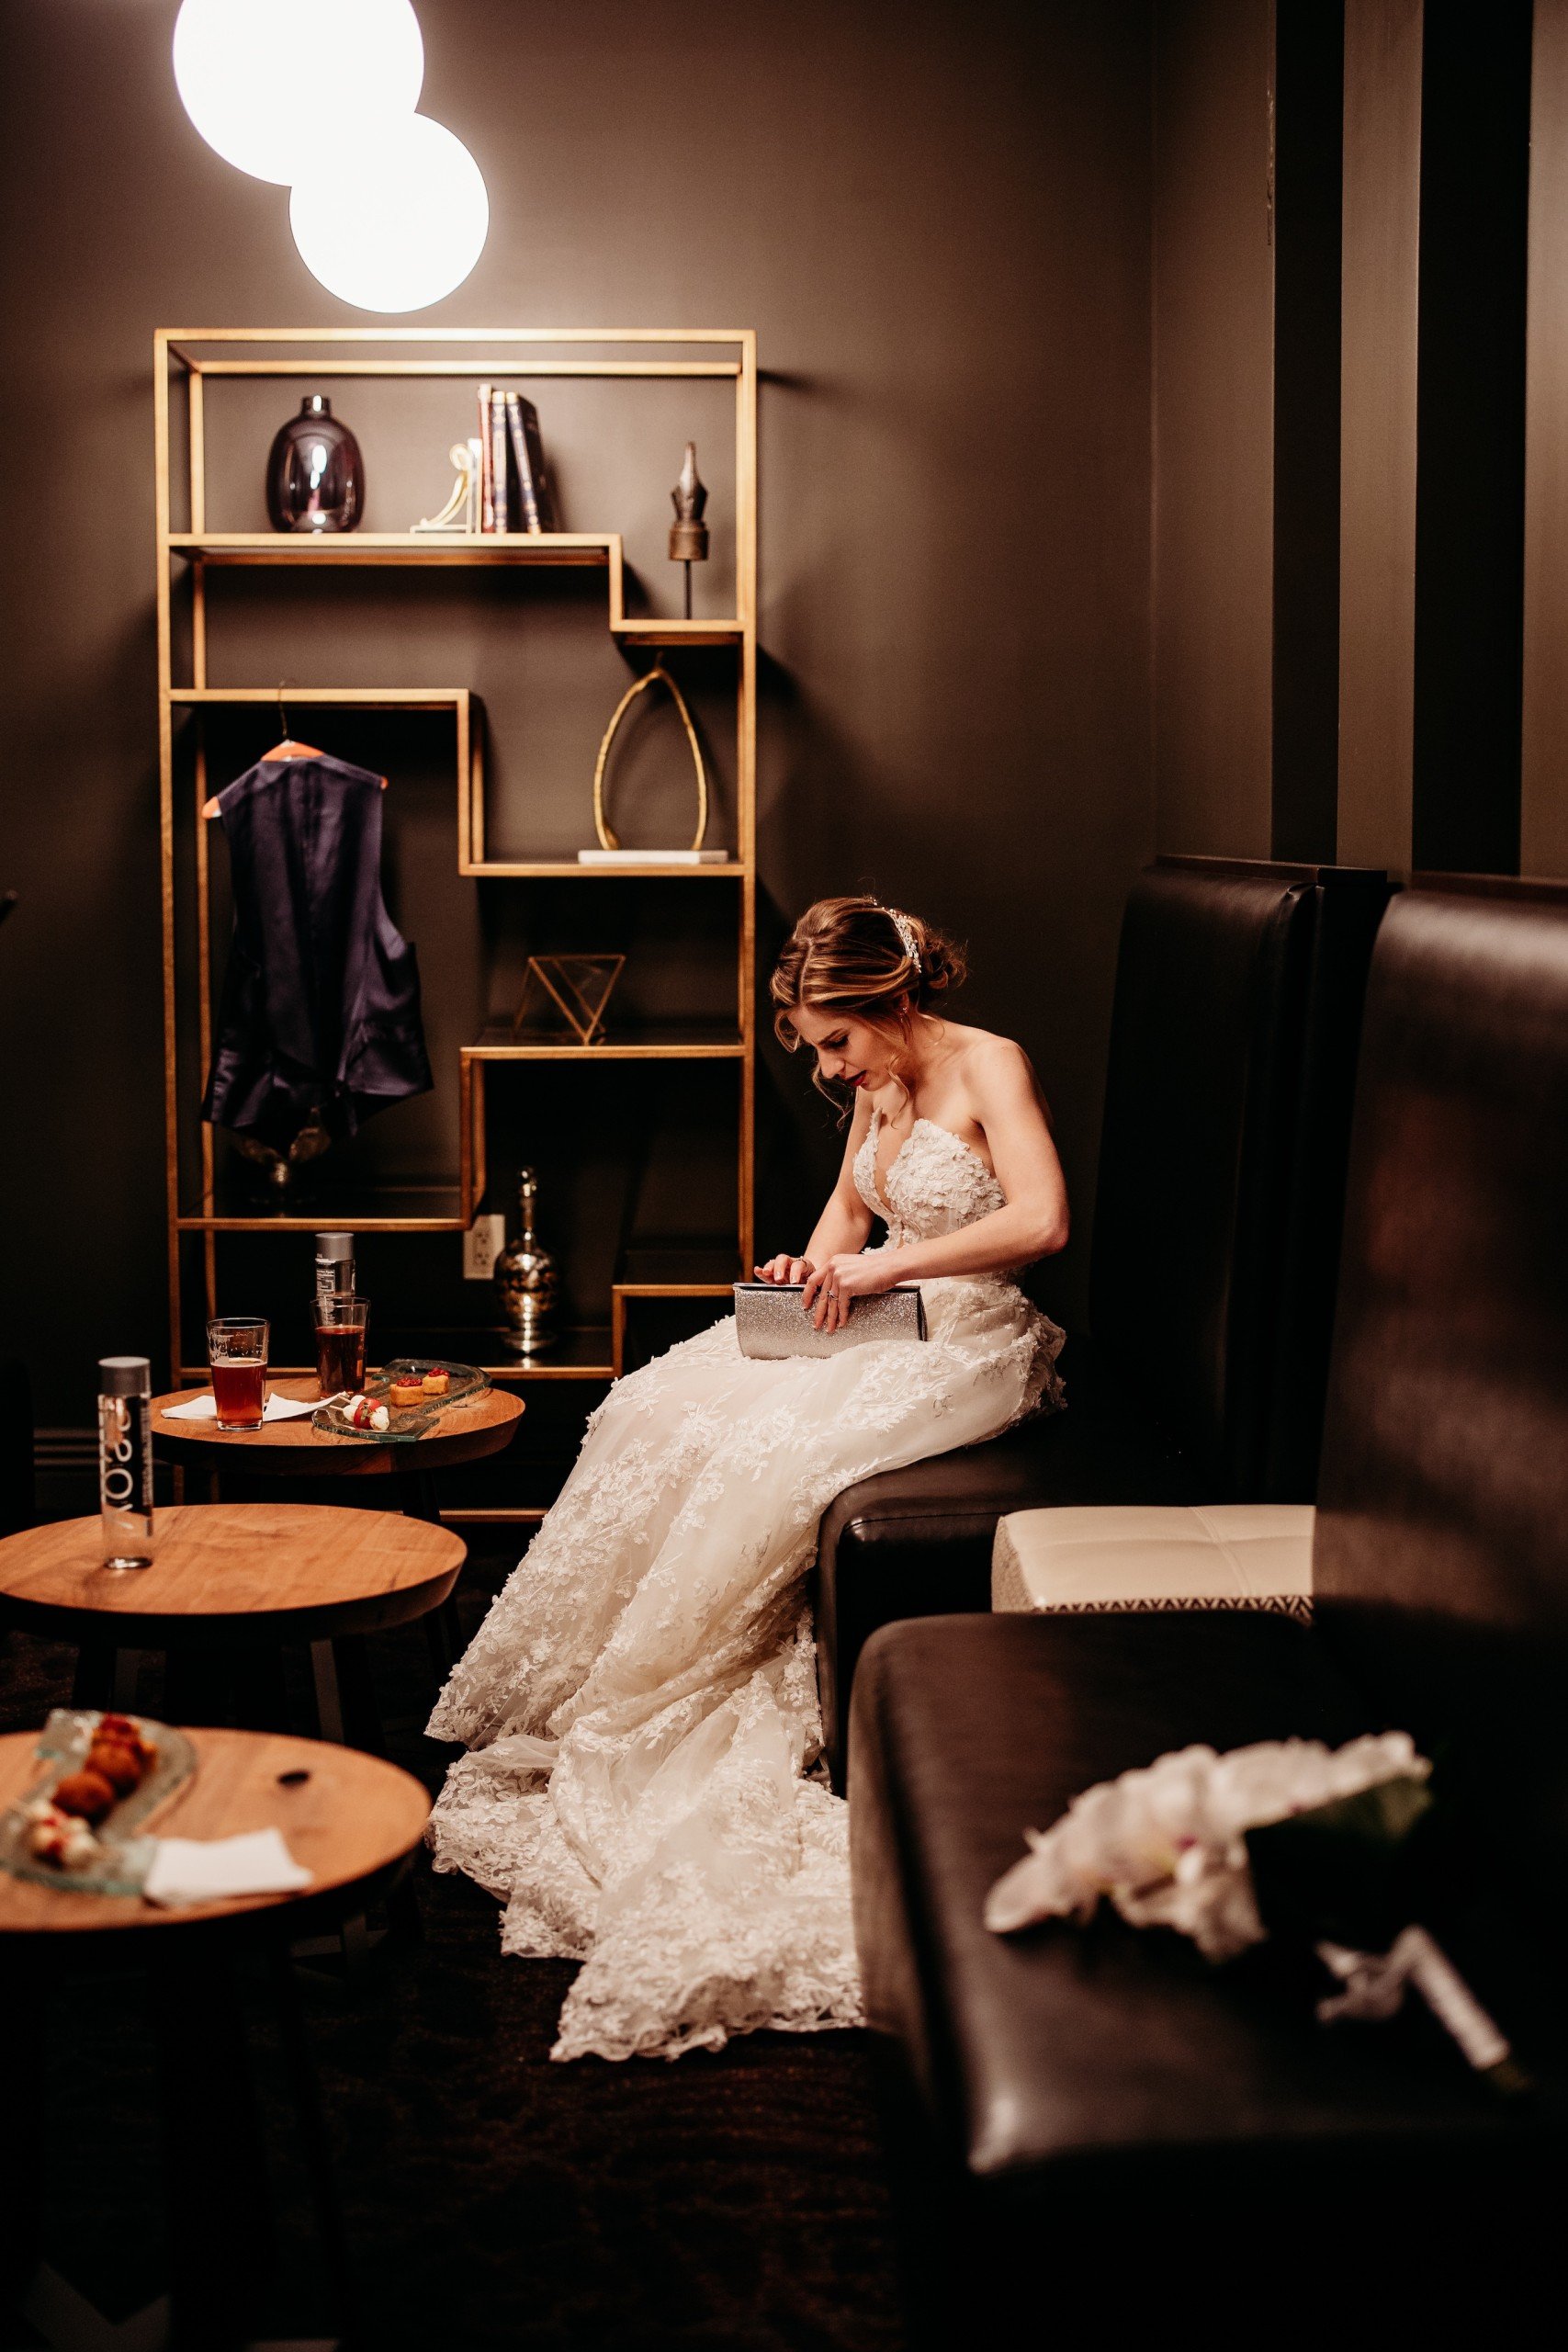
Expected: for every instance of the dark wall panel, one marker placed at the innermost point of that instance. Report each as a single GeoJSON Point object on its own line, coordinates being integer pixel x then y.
{"type": "Point", "coordinates": [1476, 132]}
{"type": "Point", "coordinates": [1309, 108]}
{"type": "Point", "coordinates": [1377, 375]}
{"type": "Point", "coordinates": [1213, 426]}
{"type": "Point", "coordinates": [1543, 812]}
{"type": "Point", "coordinates": [936, 215]}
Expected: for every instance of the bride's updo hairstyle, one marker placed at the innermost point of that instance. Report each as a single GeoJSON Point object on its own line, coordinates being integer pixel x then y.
{"type": "Point", "coordinates": [870, 962]}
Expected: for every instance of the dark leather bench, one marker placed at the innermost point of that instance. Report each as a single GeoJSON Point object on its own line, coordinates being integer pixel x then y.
{"type": "Point", "coordinates": [1232, 1050]}
{"type": "Point", "coordinates": [1053, 2084]}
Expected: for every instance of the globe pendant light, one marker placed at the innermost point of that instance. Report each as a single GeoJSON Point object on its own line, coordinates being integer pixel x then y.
{"type": "Point", "coordinates": [393, 215]}
{"type": "Point", "coordinates": [267, 83]}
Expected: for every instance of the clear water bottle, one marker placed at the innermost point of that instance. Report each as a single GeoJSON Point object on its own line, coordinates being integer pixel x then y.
{"type": "Point", "coordinates": [125, 1460]}
{"type": "Point", "coordinates": [334, 1264]}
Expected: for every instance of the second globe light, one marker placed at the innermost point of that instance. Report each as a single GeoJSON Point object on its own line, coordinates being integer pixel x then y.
{"type": "Point", "coordinates": [394, 216]}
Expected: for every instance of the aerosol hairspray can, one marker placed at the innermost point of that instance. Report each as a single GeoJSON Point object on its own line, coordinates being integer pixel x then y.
{"type": "Point", "coordinates": [334, 1264]}
{"type": "Point", "coordinates": [125, 1461]}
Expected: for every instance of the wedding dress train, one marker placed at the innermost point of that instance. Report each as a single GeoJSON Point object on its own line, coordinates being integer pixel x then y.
{"type": "Point", "coordinates": [640, 1703]}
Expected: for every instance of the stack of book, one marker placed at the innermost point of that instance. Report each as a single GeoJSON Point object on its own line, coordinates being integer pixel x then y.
{"type": "Point", "coordinates": [514, 491]}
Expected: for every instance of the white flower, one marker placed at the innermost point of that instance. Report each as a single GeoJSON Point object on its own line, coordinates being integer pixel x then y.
{"type": "Point", "coordinates": [1167, 1843]}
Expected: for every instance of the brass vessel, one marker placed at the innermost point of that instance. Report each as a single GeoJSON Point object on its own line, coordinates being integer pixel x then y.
{"type": "Point", "coordinates": [527, 1277]}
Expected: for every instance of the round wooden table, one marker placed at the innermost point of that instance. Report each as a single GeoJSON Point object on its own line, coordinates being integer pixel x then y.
{"type": "Point", "coordinates": [467, 1430]}
{"type": "Point", "coordinates": [242, 1577]}
{"type": "Point", "coordinates": [353, 1821]}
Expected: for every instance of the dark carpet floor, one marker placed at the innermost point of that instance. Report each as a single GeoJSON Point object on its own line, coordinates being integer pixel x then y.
{"type": "Point", "coordinates": [735, 2203]}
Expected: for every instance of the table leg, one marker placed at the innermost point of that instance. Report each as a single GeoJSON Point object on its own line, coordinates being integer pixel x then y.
{"type": "Point", "coordinates": [220, 2237]}
{"type": "Point", "coordinates": [260, 1694]}
{"type": "Point", "coordinates": [346, 1710]}
{"type": "Point", "coordinates": [316, 2145]}
{"type": "Point", "coordinates": [24, 1992]}
{"type": "Point", "coordinates": [442, 1630]}
{"type": "Point", "coordinates": [356, 1689]}
{"type": "Point", "coordinates": [196, 1684]}
{"type": "Point", "coordinates": [329, 1701]}
{"type": "Point", "coordinates": [416, 1489]}
{"type": "Point", "coordinates": [94, 1683]}
{"type": "Point", "coordinates": [444, 1639]}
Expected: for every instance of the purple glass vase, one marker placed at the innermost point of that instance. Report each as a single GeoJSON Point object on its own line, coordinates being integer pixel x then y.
{"type": "Point", "coordinates": [315, 475]}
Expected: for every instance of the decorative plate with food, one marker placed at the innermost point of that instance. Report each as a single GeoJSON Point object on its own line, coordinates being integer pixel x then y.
{"type": "Point", "coordinates": [105, 1776]}
{"type": "Point", "coordinates": [404, 1400]}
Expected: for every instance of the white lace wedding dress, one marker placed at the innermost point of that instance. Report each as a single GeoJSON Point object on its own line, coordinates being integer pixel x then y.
{"type": "Point", "coordinates": [640, 1703]}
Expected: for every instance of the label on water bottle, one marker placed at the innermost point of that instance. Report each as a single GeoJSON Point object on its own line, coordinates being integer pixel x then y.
{"type": "Point", "coordinates": [331, 1273]}
{"type": "Point", "coordinates": [125, 1478]}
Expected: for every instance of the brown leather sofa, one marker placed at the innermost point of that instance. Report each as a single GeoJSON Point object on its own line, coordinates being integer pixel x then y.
{"type": "Point", "coordinates": [1065, 2095]}
{"type": "Point", "coordinates": [1221, 1170]}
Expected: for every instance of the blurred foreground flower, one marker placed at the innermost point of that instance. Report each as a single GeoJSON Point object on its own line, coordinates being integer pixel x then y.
{"type": "Point", "coordinates": [1167, 1844]}
{"type": "Point", "coordinates": [1287, 1836]}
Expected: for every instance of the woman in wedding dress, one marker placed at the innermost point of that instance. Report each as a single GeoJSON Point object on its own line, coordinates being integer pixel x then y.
{"type": "Point", "coordinates": [642, 1790]}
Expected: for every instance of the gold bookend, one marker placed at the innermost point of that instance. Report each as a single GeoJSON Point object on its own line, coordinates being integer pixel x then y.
{"type": "Point", "coordinates": [572, 990]}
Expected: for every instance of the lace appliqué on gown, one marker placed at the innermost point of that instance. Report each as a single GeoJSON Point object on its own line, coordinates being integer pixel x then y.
{"type": "Point", "coordinates": [640, 1703]}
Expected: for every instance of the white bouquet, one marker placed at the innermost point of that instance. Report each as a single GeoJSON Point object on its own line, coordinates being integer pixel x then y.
{"type": "Point", "coordinates": [1167, 1845]}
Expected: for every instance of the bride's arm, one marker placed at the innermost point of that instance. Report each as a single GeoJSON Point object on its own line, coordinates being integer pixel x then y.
{"type": "Point", "coordinates": [844, 1225]}
{"type": "Point", "coordinates": [1007, 1105]}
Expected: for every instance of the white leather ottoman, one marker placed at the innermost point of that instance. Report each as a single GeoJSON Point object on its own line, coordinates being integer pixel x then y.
{"type": "Point", "coordinates": [1136, 1555]}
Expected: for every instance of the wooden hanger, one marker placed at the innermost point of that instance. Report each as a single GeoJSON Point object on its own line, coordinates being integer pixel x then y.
{"type": "Point", "coordinates": [287, 749]}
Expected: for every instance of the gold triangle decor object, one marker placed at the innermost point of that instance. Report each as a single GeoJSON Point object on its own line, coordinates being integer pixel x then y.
{"type": "Point", "coordinates": [566, 991]}
{"type": "Point", "coordinates": [657, 677]}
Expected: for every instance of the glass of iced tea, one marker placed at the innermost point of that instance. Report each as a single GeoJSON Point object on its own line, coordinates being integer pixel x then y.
{"type": "Point", "coordinates": [236, 1352]}
{"type": "Point", "coordinates": [341, 1317]}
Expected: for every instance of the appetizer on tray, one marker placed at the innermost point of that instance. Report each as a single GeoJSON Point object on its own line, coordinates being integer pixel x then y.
{"type": "Point", "coordinates": [106, 1774]}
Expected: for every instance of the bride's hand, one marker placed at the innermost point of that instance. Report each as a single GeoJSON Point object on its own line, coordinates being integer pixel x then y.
{"type": "Point", "coordinates": [784, 1269]}
{"type": "Point", "coordinates": [849, 1274]}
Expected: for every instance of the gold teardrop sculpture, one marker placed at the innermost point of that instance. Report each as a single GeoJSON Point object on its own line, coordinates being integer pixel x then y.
{"type": "Point", "coordinates": [658, 676]}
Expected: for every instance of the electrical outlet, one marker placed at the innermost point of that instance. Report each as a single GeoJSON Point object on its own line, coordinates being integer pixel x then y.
{"type": "Point", "coordinates": [482, 1245]}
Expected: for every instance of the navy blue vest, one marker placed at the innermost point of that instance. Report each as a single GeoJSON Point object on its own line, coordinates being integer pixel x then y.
{"type": "Point", "coordinates": [320, 1011]}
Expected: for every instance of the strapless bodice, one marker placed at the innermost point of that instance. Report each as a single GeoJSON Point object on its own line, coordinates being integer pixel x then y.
{"type": "Point", "coordinates": [937, 1182]}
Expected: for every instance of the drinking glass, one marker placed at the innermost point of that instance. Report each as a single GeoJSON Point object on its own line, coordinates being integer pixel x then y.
{"type": "Point", "coordinates": [236, 1350]}
{"type": "Point", "coordinates": [341, 1317]}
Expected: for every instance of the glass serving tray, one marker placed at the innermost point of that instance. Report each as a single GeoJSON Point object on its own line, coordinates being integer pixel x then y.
{"type": "Point", "coordinates": [407, 1421]}
{"type": "Point", "coordinates": [61, 1746]}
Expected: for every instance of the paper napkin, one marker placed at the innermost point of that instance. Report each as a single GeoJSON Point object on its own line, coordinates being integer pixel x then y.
{"type": "Point", "coordinates": [205, 1869]}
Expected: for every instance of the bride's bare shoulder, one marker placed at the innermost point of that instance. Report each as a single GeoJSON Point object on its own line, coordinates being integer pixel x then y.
{"type": "Point", "coordinates": [979, 1050]}
{"type": "Point", "coordinates": [990, 1065]}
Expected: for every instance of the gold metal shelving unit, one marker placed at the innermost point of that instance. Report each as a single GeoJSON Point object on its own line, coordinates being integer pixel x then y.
{"type": "Point", "coordinates": [186, 360]}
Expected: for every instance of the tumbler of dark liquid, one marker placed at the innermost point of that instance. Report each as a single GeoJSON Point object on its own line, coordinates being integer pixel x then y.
{"type": "Point", "coordinates": [341, 1318]}
{"type": "Point", "coordinates": [236, 1352]}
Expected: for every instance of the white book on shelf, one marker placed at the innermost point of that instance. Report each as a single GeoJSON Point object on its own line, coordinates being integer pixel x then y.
{"type": "Point", "coordinates": [653, 857]}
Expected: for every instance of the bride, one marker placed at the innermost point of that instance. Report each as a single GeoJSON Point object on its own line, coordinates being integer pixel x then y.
{"type": "Point", "coordinates": [642, 1789]}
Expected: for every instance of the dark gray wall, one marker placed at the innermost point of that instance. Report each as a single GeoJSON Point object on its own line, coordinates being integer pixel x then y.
{"type": "Point", "coordinates": [1543, 847]}
{"type": "Point", "coordinates": [1214, 317]}
{"type": "Point", "coordinates": [936, 216]}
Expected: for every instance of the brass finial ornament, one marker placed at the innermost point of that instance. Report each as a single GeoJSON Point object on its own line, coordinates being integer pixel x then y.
{"type": "Point", "coordinates": [688, 532]}
{"type": "Point", "coordinates": [527, 1277]}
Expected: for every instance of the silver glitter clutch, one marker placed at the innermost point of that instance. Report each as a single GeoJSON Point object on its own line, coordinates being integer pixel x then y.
{"type": "Point", "coordinates": [771, 1322]}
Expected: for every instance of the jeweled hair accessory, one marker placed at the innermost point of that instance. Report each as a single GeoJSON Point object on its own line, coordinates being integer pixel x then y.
{"type": "Point", "coordinates": [906, 931]}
